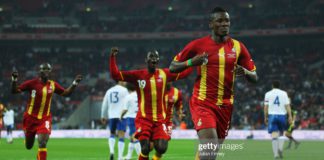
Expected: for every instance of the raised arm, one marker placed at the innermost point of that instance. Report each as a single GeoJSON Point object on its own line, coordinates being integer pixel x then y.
{"type": "Point", "coordinates": [114, 71]}
{"type": "Point", "coordinates": [71, 88]}
{"type": "Point", "coordinates": [14, 85]}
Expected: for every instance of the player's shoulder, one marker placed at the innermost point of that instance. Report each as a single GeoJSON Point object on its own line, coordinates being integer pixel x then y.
{"type": "Point", "coordinates": [200, 40]}
{"type": "Point", "coordinates": [34, 80]}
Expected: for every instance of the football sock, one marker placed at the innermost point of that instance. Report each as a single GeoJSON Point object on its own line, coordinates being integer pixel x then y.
{"type": "Point", "coordinates": [42, 152]}
{"type": "Point", "coordinates": [281, 141]}
{"type": "Point", "coordinates": [137, 147]}
{"type": "Point", "coordinates": [111, 144]}
{"type": "Point", "coordinates": [143, 157]}
{"type": "Point", "coordinates": [131, 146]}
{"type": "Point", "coordinates": [121, 146]}
{"type": "Point", "coordinates": [155, 157]}
{"type": "Point", "coordinates": [275, 146]}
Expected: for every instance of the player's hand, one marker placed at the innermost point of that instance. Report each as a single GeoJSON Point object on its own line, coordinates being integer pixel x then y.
{"type": "Point", "coordinates": [114, 51]}
{"type": "Point", "coordinates": [14, 76]}
{"type": "Point", "coordinates": [181, 116]}
{"type": "Point", "coordinates": [78, 78]}
{"type": "Point", "coordinates": [239, 70]}
{"type": "Point", "coordinates": [266, 120]}
{"type": "Point", "coordinates": [289, 120]}
{"type": "Point", "coordinates": [103, 121]}
{"type": "Point", "coordinates": [200, 59]}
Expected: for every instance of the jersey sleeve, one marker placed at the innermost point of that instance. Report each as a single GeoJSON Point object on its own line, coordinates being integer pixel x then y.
{"type": "Point", "coordinates": [286, 99]}
{"type": "Point", "coordinates": [116, 74]}
{"type": "Point", "coordinates": [25, 85]}
{"type": "Point", "coordinates": [177, 76]}
{"type": "Point", "coordinates": [58, 88]}
{"type": "Point", "coordinates": [104, 106]}
{"type": "Point", "coordinates": [266, 99]}
{"type": "Point", "coordinates": [188, 52]}
{"type": "Point", "coordinates": [245, 59]}
{"type": "Point", "coordinates": [127, 103]}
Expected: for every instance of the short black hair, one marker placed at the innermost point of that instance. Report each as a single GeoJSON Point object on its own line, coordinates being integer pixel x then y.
{"type": "Point", "coordinates": [216, 10]}
{"type": "Point", "coordinates": [152, 51]}
{"type": "Point", "coordinates": [130, 87]}
{"type": "Point", "coordinates": [275, 84]}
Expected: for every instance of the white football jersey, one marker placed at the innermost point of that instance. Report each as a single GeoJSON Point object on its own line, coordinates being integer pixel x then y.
{"type": "Point", "coordinates": [8, 117]}
{"type": "Point", "coordinates": [276, 99]}
{"type": "Point", "coordinates": [131, 105]}
{"type": "Point", "coordinates": [113, 102]}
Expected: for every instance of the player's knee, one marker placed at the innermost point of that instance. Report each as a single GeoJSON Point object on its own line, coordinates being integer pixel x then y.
{"type": "Point", "coordinates": [42, 144]}
{"type": "Point", "coordinates": [29, 146]}
{"type": "Point", "coordinates": [145, 147]}
{"type": "Point", "coordinates": [161, 149]}
{"type": "Point", "coordinates": [275, 134]}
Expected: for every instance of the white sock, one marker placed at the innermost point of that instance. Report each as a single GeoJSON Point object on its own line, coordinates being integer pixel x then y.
{"type": "Point", "coordinates": [138, 147]}
{"type": "Point", "coordinates": [275, 147]}
{"type": "Point", "coordinates": [121, 146]}
{"type": "Point", "coordinates": [131, 146]}
{"type": "Point", "coordinates": [111, 144]}
{"type": "Point", "coordinates": [281, 141]}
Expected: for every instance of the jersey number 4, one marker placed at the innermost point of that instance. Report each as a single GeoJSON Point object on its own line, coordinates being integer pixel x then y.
{"type": "Point", "coordinates": [276, 101]}
{"type": "Point", "coordinates": [114, 97]}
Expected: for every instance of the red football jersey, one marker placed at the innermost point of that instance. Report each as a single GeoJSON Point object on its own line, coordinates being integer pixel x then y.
{"type": "Point", "coordinates": [40, 96]}
{"type": "Point", "coordinates": [150, 88]}
{"type": "Point", "coordinates": [173, 99]}
{"type": "Point", "coordinates": [215, 81]}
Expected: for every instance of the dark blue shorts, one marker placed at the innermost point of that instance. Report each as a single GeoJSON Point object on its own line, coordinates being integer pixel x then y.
{"type": "Point", "coordinates": [277, 123]}
{"type": "Point", "coordinates": [131, 125]}
{"type": "Point", "coordinates": [117, 124]}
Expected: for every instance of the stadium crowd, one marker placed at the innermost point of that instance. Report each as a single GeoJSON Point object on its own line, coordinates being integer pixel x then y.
{"type": "Point", "coordinates": [113, 16]}
{"type": "Point", "coordinates": [297, 67]}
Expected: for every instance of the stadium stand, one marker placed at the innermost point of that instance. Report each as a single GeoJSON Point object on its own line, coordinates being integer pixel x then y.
{"type": "Point", "coordinates": [285, 58]}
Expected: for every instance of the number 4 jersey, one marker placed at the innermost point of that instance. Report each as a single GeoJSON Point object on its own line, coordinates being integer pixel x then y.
{"type": "Point", "coordinates": [276, 100]}
{"type": "Point", "coordinates": [150, 88]}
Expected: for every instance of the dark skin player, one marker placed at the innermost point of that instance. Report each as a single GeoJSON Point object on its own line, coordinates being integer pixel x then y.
{"type": "Point", "coordinates": [219, 24]}
{"type": "Point", "coordinates": [160, 145]}
{"type": "Point", "coordinates": [44, 74]}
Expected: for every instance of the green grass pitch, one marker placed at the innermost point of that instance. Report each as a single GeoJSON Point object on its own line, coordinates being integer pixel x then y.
{"type": "Point", "coordinates": [97, 149]}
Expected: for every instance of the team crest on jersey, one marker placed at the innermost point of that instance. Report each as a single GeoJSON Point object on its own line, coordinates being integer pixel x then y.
{"type": "Point", "coordinates": [233, 49]}
{"type": "Point", "coordinates": [231, 55]}
{"type": "Point", "coordinates": [50, 89]}
{"type": "Point", "coordinates": [199, 122]}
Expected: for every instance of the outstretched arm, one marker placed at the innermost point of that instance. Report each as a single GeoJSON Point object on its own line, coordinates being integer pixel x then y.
{"type": "Point", "coordinates": [70, 89]}
{"type": "Point", "coordinates": [176, 67]}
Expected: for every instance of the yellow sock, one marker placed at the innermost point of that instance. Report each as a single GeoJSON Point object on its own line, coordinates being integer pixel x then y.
{"type": "Point", "coordinates": [156, 157]}
{"type": "Point", "coordinates": [197, 156]}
